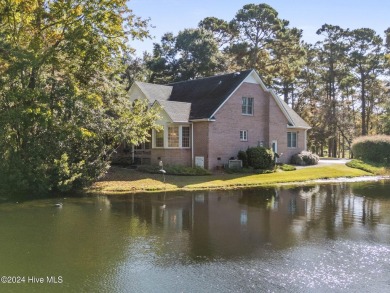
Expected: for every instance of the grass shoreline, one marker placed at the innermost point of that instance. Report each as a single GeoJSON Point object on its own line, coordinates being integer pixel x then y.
{"type": "Point", "coordinates": [122, 181]}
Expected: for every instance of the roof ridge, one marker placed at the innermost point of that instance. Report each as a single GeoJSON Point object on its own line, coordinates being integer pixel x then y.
{"type": "Point", "coordinates": [209, 77]}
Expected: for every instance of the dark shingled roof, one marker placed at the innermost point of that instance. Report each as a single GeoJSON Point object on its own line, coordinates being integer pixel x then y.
{"type": "Point", "coordinates": [207, 94]}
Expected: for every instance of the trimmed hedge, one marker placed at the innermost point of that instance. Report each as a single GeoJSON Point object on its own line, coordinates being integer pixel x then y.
{"type": "Point", "coordinates": [260, 158]}
{"type": "Point", "coordinates": [372, 148]}
{"type": "Point", "coordinates": [305, 158]}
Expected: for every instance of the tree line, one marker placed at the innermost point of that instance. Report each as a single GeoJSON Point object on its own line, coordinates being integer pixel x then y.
{"type": "Point", "coordinates": [339, 85]}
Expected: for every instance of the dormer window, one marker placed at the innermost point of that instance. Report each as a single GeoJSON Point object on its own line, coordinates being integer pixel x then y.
{"type": "Point", "coordinates": [247, 106]}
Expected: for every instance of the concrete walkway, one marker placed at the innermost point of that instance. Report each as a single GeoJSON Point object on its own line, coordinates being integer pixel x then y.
{"type": "Point", "coordinates": [325, 162]}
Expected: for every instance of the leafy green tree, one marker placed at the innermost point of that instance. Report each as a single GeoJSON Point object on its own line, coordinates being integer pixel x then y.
{"type": "Point", "coordinates": [163, 63]}
{"type": "Point", "coordinates": [63, 107]}
{"type": "Point", "coordinates": [385, 119]}
{"type": "Point", "coordinates": [222, 31]}
{"type": "Point", "coordinates": [332, 51]}
{"type": "Point", "coordinates": [288, 59]}
{"type": "Point", "coordinates": [366, 60]}
{"type": "Point", "coordinates": [257, 26]}
{"type": "Point", "coordinates": [192, 53]}
{"type": "Point", "coordinates": [309, 103]}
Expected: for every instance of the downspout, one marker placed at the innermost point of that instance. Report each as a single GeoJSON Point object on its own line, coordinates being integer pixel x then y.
{"type": "Point", "coordinates": [192, 144]}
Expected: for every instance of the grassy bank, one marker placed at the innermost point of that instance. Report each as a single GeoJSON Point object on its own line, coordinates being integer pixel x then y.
{"type": "Point", "coordinates": [120, 180]}
{"type": "Point", "coordinates": [373, 168]}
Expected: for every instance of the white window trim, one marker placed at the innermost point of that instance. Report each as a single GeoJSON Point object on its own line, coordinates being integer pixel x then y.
{"type": "Point", "coordinates": [244, 136]}
{"type": "Point", "coordinates": [253, 103]}
{"type": "Point", "coordinates": [165, 129]}
{"type": "Point", "coordinates": [296, 140]}
{"type": "Point", "coordinates": [154, 139]}
{"type": "Point", "coordinates": [179, 136]}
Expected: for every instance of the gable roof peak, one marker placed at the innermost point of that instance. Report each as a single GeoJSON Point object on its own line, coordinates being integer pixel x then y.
{"type": "Point", "coordinates": [155, 91]}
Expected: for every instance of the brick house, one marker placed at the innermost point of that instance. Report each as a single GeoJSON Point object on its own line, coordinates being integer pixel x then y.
{"type": "Point", "coordinates": [207, 121]}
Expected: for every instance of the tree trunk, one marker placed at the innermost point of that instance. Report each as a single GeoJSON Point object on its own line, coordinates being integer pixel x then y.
{"type": "Point", "coordinates": [364, 123]}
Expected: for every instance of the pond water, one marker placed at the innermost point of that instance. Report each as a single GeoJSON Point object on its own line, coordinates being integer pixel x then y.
{"type": "Point", "coordinates": [323, 238]}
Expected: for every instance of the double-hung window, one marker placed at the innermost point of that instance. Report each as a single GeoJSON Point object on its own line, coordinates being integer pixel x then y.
{"type": "Point", "coordinates": [159, 138]}
{"type": "Point", "coordinates": [247, 106]}
{"type": "Point", "coordinates": [173, 136]}
{"type": "Point", "coordinates": [243, 135]}
{"type": "Point", "coordinates": [185, 136]}
{"type": "Point", "coordinates": [291, 139]}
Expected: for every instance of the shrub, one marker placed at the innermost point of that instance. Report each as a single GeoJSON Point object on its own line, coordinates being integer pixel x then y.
{"type": "Point", "coordinates": [286, 167]}
{"type": "Point", "coordinates": [372, 148]}
{"type": "Point", "coordinates": [242, 155]}
{"type": "Point", "coordinates": [260, 158]}
{"type": "Point", "coordinates": [305, 158]}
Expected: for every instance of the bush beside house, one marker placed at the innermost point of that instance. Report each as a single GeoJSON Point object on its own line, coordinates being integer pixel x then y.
{"type": "Point", "coordinates": [260, 158]}
{"type": "Point", "coordinates": [305, 158]}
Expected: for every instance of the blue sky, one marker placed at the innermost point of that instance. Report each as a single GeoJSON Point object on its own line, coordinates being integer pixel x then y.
{"type": "Point", "coordinates": [308, 15]}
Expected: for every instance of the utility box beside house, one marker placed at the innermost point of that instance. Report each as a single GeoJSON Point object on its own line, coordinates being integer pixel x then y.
{"type": "Point", "coordinates": [235, 164]}
{"type": "Point", "coordinates": [199, 161]}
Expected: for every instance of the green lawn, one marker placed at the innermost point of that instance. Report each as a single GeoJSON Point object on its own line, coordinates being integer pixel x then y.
{"type": "Point", "coordinates": [374, 168]}
{"type": "Point", "coordinates": [120, 180]}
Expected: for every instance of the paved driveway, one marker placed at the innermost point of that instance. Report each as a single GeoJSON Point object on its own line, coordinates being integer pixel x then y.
{"type": "Point", "coordinates": [325, 162]}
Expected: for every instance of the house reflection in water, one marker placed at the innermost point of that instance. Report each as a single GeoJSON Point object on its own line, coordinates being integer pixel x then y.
{"type": "Point", "coordinates": [244, 222]}
{"type": "Point", "coordinates": [216, 222]}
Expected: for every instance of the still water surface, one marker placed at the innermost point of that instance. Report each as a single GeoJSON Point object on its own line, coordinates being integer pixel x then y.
{"type": "Point", "coordinates": [325, 238]}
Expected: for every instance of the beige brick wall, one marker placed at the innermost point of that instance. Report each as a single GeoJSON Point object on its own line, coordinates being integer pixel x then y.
{"type": "Point", "coordinates": [171, 156]}
{"type": "Point", "coordinates": [201, 140]}
{"type": "Point", "coordinates": [225, 131]}
{"type": "Point", "coordinates": [278, 131]}
{"type": "Point", "coordinates": [289, 152]}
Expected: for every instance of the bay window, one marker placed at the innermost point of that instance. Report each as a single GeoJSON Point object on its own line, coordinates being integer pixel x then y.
{"type": "Point", "coordinates": [172, 136]}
